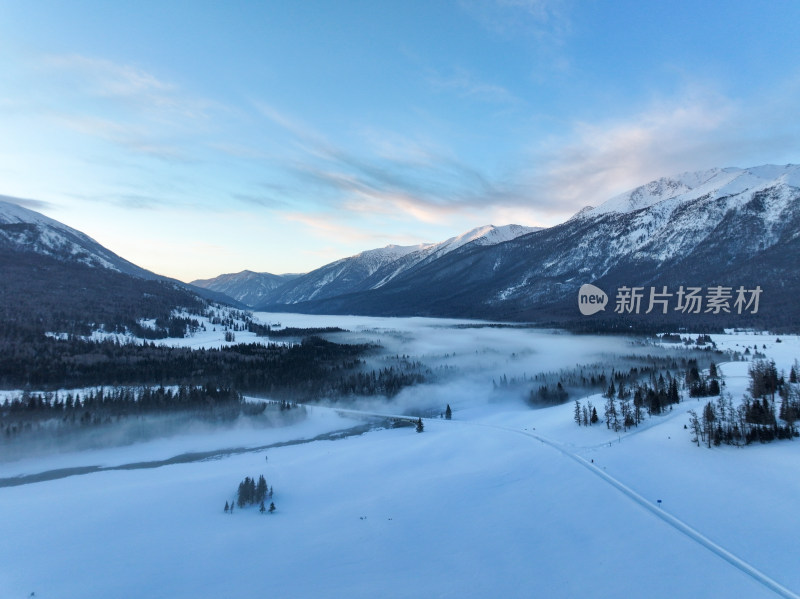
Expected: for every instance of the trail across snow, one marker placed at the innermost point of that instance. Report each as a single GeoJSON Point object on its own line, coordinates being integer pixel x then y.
{"type": "Point", "coordinates": [658, 511]}
{"type": "Point", "coordinates": [676, 523]}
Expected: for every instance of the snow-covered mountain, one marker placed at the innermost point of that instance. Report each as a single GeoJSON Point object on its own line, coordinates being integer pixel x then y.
{"type": "Point", "coordinates": [25, 230]}
{"type": "Point", "coordinates": [374, 268]}
{"type": "Point", "coordinates": [247, 287]}
{"type": "Point", "coordinates": [727, 227]}
{"type": "Point", "coordinates": [481, 236]}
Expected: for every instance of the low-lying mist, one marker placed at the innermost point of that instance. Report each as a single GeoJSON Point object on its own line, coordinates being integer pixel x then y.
{"type": "Point", "coordinates": [51, 435]}
{"type": "Point", "coordinates": [478, 364]}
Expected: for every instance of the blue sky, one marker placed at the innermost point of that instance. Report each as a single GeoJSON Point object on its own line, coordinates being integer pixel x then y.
{"type": "Point", "coordinates": [195, 138]}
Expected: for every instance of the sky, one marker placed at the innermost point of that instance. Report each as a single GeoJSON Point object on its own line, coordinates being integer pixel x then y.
{"type": "Point", "coordinates": [196, 138]}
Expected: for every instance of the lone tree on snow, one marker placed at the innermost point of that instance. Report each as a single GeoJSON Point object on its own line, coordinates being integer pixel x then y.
{"type": "Point", "coordinates": [271, 507]}
{"type": "Point", "coordinates": [448, 413]}
{"type": "Point", "coordinates": [420, 426]}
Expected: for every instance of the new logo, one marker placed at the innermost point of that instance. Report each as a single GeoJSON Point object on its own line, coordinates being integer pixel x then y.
{"type": "Point", "coordinates": [591, 299]}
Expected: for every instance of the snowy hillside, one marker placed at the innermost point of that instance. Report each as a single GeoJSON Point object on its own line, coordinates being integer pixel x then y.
{"type": "Point", "coordinates": [247, 286]}
{"type": "Point", "coordinates": [374, 268]}
{"type": "Point", "coordinates": [691, 186]}
{"type": "Point", "coordinates": [480, 236]}
{"type": "Point", "coordinates": [25, 230]}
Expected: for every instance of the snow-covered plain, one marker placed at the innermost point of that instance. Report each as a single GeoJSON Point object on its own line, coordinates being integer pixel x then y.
{"type": "Point", "coordinates": [501, 501]}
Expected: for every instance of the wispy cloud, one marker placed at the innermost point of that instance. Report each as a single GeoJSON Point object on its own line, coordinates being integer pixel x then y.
{"type": "Point", "coordinates": [597, 160]}
{"type": "Point", "coordinates": [37, 205]}
{"type": "Point", "coordinates": [542, 20]}
{"type": "Point", "coordinates": [120, 104]}
{"type": "Point", "coordinates": [466, 85]}
{"type": "Point", "coordinates": [136, 137]}
{"type": "Point", "coordinates": [401, 178]}
{"type": "Point", "coordinates": [334, 228]}
{"type": "Point", "coordinates": [122, 82]}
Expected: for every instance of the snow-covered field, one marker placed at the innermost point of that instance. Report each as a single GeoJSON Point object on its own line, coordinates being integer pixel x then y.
{"type": "Point", "coordinates": [502, 501]}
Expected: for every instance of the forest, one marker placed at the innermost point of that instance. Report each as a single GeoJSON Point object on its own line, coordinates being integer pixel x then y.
{"type": "Point", "coordinates": [310, 369]}
{"type": "Point", "coordinates": [768, 414]}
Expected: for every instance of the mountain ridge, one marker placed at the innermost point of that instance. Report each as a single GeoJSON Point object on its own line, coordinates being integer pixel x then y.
{"type": "Point", "coordinates": [729, 227]}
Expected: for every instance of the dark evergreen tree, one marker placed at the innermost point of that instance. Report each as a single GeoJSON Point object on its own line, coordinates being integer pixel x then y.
{"type": "Point", "coordinates": [271, 507]}
{"type": "Point", "coordinates": [261, 490]}
{"type": "Point", "coordinates": [448, 413]}
{"type": "Point", "coordinates": [227, 507]}
{"type": "Point", "coordinates": [261, 508]}
{"type": "Point", "coordinates": [420, 425]}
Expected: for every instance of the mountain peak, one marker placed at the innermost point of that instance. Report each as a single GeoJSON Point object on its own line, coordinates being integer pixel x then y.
{"type": "Point", "coordinates": [690, 186]}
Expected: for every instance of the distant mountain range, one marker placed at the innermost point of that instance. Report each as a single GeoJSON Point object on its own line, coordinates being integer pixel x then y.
{"type": "Point", "coordinates": [371, 269]}
{"type": "Point", "coordinates": [726, 228]}
{"type": "Point", "coordinates": [248, 287]}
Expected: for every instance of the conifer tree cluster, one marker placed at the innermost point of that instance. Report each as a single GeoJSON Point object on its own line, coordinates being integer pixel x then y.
{"type": "Point", "coordinates": [755, 418]}
{"type": "Point", "coordinates": [585, 415]}
{"type": "Point", "coordinates": [626, 406]}
{"type": "Point", "coordinates": [702, 386]}
{"type": "Point", "coordinates": [251, 492]}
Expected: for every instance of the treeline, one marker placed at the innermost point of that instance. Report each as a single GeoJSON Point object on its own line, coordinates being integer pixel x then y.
{"type": "Point", "coordinates": [308, 369]}
{"type": "Point", "coordinates": [56, 413]}
{"type": "Point", "coordinates": [626, 406]}
{"type": "Point", "coordinates": [555, 387]}
{"type": "Point", "coordinates": [385, 381]}
{"type": "Point", "coordinates": [628, 403]}
{"type": "Point", "coordinates": [757, 418]}
{"type": "Point", "coordinates": [265, 330]}
{"type": "Point", "coordinates": [31, 412]}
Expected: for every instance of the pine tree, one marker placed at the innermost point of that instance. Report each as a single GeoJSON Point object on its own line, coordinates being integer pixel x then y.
{"type": "Point", "coordinates": [577, 413]}
{"type": "Point", "coordinates": [448, 413]}
{"type": "Point", "coordinates": [793, 375]}
{"type": "Point", "coordinates": [227, 508]}
{"type": "Point", "coordinates": [271, 507]}
{"type": "Point", "coordinates": [611, 413]}
{"type": "Point", "coordinates": [694, 422]}
{"type": "Point", "coordinates": [261, 508]}
{"type": "Point", "coordinates": [673, 395]}
{"type": "Point", "coordinates": [420, 426]}
{"type": "Point", "coordinates": [594, 419]}
{"type": "Point", "coordinates": [261, 489]}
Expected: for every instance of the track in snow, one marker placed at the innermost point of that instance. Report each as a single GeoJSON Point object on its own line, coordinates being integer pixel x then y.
{"type": "Point", "coordinates": [659, 512]}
